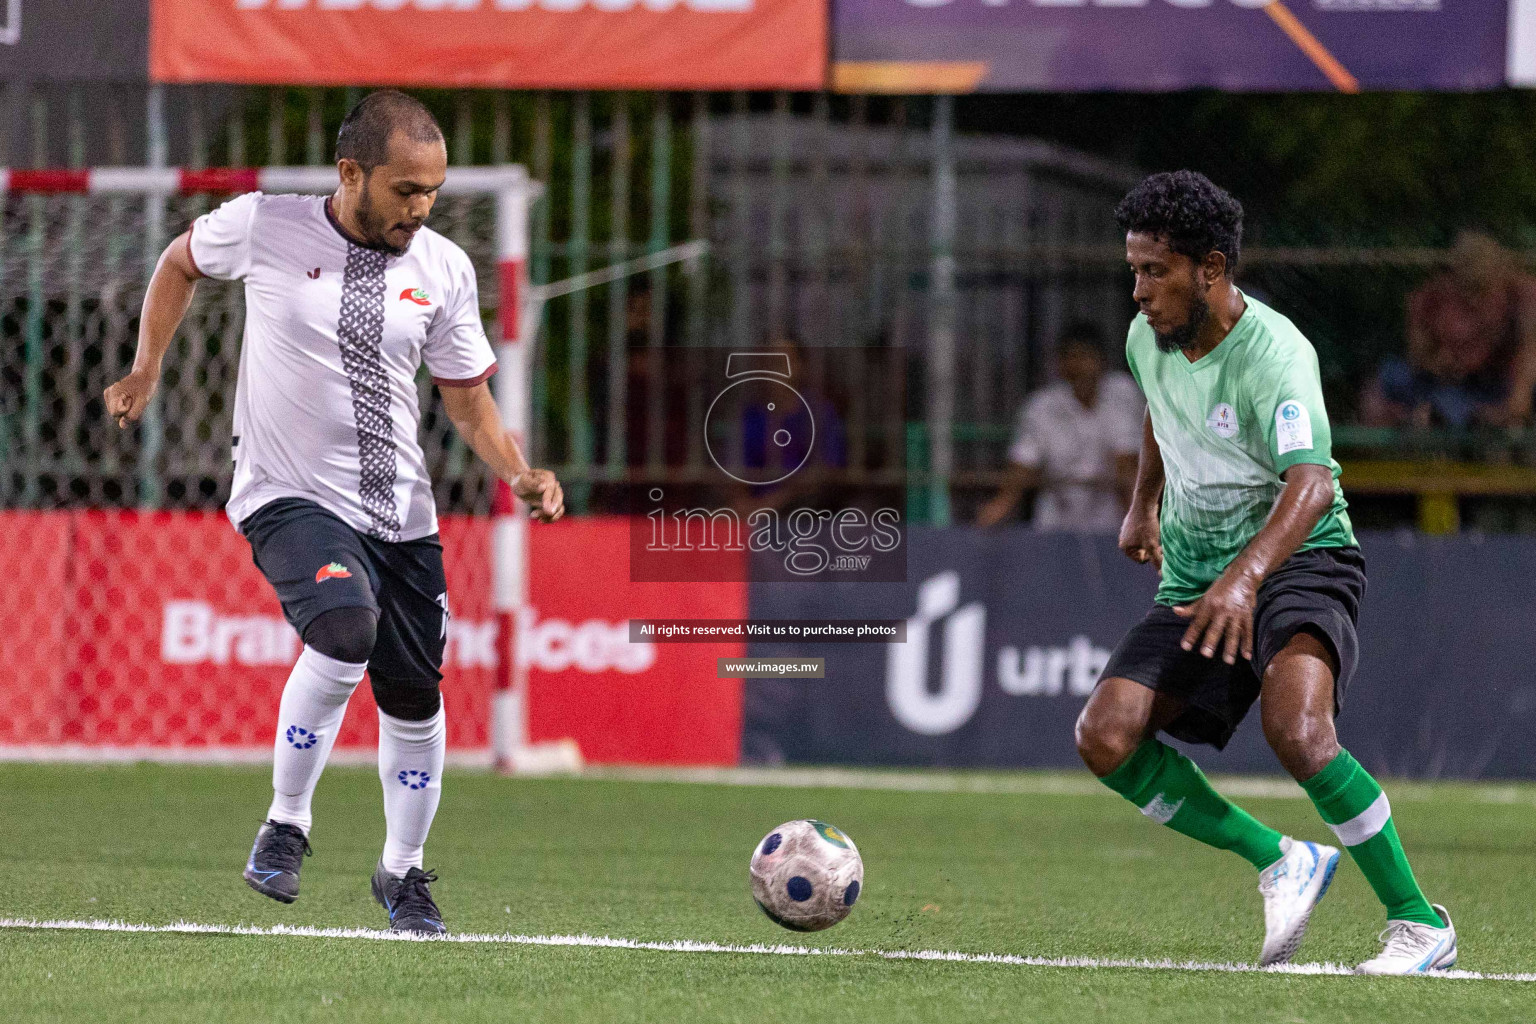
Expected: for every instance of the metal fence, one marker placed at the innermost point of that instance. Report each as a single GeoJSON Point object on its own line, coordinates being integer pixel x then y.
{"type": "Point", "coordinates": [833, 221]}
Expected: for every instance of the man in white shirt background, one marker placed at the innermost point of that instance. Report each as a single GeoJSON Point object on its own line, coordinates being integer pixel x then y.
{"type": "Point", "coordinates": [346, 297]}
{"type": "Point", "coordinates": [1075, 444]}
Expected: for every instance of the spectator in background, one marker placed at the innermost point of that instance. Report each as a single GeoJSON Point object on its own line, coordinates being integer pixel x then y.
{"type": "Point", "coordinates": [1076, 443]}
{"type": "Point", "coordinates": [1471, 345]}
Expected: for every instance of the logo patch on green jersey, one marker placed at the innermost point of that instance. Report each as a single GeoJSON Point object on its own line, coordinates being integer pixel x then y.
{"type": "Point", "coordinates": [1222, 421]}
{"type": "Point", "coordinates": [1293, 427]}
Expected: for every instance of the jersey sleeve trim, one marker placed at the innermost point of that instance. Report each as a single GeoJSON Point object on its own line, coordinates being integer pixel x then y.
{"type": "Point", "coordinates": [1308, 457]}
{"type": "Point", "coordinates": [468, 382]}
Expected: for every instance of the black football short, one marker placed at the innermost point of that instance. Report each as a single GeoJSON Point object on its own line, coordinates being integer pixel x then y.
{"type": "Point", "coordinates": [316, 562]}
{"type": "Point", "coordinates": [1318, 590]}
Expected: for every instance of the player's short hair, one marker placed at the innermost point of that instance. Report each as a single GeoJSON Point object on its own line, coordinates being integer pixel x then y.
{"type": "Point", "coordinates": [1084, 335]}
{"type": "Point", "coordinates": [366, 130]}
{"type": "Point", "coordinates": [1184, 209]}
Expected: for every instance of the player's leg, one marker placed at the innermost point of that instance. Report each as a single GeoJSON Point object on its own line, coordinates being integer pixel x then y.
{"type": "Point", "coordinates": [318, 567]}
{"type": "Point", "coordinates": [406, 670]}
{"type": "Point", "coordinates": [337, 644]}
{"type": "Point", "coordinates": [1200, 700]}
{"type": "Point", "coordinates": [1298, 722]}
{"type": "Point", "coordinates": [1305, 638]}
{"type": "Point", "coordinates": [1146, 688]}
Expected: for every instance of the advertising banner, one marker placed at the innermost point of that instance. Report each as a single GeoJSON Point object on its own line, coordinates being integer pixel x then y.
{"type": "Point", "coordinates": [519, 44]}
{"type": "Point", "coordinates": [1007, 632]}
{"type": "Point", "coordinates": [60, 41]}
{"type": "Point", "coordinates": [1153, 45]}
{"type": "Point", "coordinates": [625, 702]}
{"type": "Point", "coordinates": [156, 632]}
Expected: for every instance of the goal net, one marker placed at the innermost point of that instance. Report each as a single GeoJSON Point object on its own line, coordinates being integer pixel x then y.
{"type": "Point", "coordinates": [135, 623]}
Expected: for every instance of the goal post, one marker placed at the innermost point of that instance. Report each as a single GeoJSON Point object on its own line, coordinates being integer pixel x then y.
{"type": "Point", "coordinates": [512, 193]}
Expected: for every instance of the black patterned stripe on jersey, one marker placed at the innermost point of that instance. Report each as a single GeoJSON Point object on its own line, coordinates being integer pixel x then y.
{"type": "Point", "coordinates": [360, 330]}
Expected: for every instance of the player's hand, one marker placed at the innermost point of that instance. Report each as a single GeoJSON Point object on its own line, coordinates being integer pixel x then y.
{"type": "Point", "coordinates": [995, 511]}
{"type": "Point", "coordinates": [1141, 538]}
{"type": "Point", "coordinates": [128, 398]}
{"type": "Point", "coordinates": [539, 488]}
{"type": "Point", "coordinates": [1222, 619]}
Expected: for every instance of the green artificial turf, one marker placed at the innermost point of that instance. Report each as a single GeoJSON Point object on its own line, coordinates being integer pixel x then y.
{"type": "Point", "coordinates": [1052, 874]}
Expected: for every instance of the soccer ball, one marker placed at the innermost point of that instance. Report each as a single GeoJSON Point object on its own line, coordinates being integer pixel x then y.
{"type": "Point", "coordinates": [806, 875]}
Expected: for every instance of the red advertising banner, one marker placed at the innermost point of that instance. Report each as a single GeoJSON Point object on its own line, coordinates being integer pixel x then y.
{"type": "Point", "coordinates": [665, 705]}
{"type": "Point", "coordinates": [156, 632]}
{"type": "Point", "coordinates": [523, 44]}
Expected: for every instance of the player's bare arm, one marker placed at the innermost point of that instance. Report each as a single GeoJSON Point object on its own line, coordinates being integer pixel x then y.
{"type": "Point", "coordinates": [1016, 481]}
{"type": "Point", "coordinates": [1223, 618]}
{"type": "Point", "coordinates": [1140, 535]}
{"type": "Point", "coordinates": [475, 416]}
{"type": "Point", "coordinates": [165, 304]}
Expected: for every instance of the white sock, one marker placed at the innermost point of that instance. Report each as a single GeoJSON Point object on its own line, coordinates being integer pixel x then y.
{"type": "Point", "coordinates": [411, 769]}
{"type": "Point", "coordinates": [314, 703]}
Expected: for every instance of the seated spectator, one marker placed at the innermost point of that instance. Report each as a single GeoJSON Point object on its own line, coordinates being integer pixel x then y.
{"type": "Point", "coordinates": [1471, 346]}
{"type": "Point", "coordinates": [1076, 443]}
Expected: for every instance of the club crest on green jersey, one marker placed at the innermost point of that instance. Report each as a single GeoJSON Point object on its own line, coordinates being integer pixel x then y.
{"type": "Point", "coordinates": [1223, 421]}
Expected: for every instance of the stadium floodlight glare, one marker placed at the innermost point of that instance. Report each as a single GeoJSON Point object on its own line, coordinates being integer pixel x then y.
{"type": "Point", "coordinates": [513, 195]}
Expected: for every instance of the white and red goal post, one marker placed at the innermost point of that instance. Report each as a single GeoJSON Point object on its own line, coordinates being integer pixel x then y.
{"type": "Point", "coordinates": [100, 692]}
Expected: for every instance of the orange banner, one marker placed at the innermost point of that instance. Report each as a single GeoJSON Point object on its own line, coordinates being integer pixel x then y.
{"type": "Point", "coordinates": [524, 44]}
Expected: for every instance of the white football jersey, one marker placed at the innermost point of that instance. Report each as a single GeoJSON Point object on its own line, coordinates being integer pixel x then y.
{"type": "Point", "coordinates": [326, 403]}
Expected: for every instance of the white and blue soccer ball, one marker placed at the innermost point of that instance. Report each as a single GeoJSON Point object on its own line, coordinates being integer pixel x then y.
{"type": "Point", "coordinates": [806, 875]}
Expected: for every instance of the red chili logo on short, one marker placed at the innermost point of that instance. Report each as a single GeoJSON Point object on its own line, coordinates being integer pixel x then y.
{"type": "Point", "coordinates": [416, 295]}
{"type": "Point", "coordinates": [334, 571]}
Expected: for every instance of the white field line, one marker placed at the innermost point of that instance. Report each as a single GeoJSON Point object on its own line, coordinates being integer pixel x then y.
{"type": "Point", "coordinates": [691, 946]}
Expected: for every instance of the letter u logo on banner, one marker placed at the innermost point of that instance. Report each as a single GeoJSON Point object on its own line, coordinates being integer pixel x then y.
{"type": "Point", "coordinates": [960, 678]}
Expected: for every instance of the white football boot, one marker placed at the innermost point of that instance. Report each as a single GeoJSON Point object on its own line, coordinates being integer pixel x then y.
{"type": "Point", "coordinates": [1411, 948]}
{"type": "Point", "coordinates": [1291, 887]}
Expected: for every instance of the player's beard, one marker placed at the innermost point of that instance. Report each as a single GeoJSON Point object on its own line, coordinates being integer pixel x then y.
{"type": "Point", "coordinates": [1185, 337]}
{"type": "Point", "coordinates": [372, 224]}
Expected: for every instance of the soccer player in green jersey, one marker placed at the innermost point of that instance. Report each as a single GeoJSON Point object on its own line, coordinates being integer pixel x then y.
{"type": "Point", "coordinates": [1237, 502]}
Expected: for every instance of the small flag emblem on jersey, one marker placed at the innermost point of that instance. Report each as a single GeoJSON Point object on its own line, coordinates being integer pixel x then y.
{"type": "Point", "coordinates": [416, 295]}
{"type": "Point", "coordinates": [334, 571]}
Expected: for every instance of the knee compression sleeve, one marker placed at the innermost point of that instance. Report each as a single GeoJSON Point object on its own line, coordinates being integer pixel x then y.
{"type": "Point", "coordinates": [346, 634]}
{"type": "Point", "coordinates": [413, 700]}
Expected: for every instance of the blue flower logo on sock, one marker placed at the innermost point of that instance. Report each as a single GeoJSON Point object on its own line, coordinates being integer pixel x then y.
{"type": "Point", "coordinates": [301, 737]}
{"type": "Point", "coordinates": [414, 780]}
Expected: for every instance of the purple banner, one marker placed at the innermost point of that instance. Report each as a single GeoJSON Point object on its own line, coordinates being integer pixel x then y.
{"type": "Point", "coordinates": [1156, 45]}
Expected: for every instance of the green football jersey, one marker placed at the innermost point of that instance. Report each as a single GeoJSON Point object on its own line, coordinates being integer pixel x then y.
{"type": "Point", "coordinates": [1228, 425]}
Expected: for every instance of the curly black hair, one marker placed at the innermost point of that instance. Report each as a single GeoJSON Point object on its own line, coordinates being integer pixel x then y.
{"type": "Point", "coordinates": [1187, 211]}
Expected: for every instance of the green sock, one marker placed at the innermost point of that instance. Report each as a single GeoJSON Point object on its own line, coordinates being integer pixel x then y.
{"type": "Point", "coordinates": [1172, 790]}
{"type": "Point", "coordinates": [1356, 809]}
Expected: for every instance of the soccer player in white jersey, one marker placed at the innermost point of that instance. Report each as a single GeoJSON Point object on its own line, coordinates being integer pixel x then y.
{"type": "Point", "coordinates": [346, 296]}
{"type": "Point", "coordinates": [1237, 502]}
